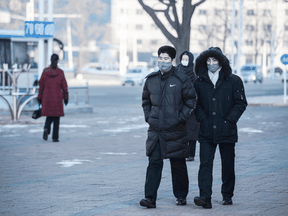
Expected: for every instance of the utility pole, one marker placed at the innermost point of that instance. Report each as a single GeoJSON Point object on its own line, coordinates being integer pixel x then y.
{"type": "Point", "coordinates": [41, 42]}
{"type": "Point", "coordinates": [50, 40]}
{"type": "Point", "coordinates": [239, 38]}
{"type": "Point", "coordinates": [233, 37]}
{"type": "Point", "coordinates": [69, 45]}
{"type": "Point", "coordinates": [123, 58]}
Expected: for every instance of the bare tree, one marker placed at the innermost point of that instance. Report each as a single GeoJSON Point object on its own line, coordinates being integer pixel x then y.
{"type": "Point", "coordinates": [84, 28]}
{"type": "Point", "coordinates": [182, 41]}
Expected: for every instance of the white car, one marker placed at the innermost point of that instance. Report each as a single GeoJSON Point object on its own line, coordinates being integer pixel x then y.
{"type": "Point", "coordinates": [134, 76]}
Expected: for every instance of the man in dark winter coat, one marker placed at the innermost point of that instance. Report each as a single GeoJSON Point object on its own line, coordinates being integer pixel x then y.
{"type": "Point", "coordinates": [187, 66]}
{"type": "Point", "coordinates": [167, 100]}
{"type": "Point", "coordinates": [221, 102]}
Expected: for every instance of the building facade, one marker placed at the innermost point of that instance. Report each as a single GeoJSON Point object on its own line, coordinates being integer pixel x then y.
{"type": "Point", "coordinates": [263, 27]}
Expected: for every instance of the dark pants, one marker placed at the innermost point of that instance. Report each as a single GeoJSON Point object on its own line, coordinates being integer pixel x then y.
{"type": "Point", "coordinates": [56, 122]}
{"type": "Point", "coordinates": [205, 178]}
{"type": "Point", "coordinates": [192, 144]}
{"type": "Point", "coordinates": [180, 180]}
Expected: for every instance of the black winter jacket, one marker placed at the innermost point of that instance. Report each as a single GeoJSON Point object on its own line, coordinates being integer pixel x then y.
{"type": "Point", "coordinates": [192, 124]}
{"type": "Point", "coordinates": [167, 101]}
{"type": "Point", "coordinates": [218, 109]}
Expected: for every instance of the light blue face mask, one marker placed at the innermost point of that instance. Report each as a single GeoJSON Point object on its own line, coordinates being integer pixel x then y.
{"type": "Point", "coordinates": [213, 67]}
{"type": "Point", "coordinates": [164, 66]}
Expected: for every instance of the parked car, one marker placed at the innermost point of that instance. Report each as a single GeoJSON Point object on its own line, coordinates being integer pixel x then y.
{"type": "Point", "coordinates": [134, 76]}
{"type": "Point", "coordinates": [284, 77]}
{"type": "Point", "coordinates": [252, 73]}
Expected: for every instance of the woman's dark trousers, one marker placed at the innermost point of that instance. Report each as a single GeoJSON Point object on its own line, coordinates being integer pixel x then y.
{"type": "Point", "coordinates": [180, 180]}
{"type": "Point", "coordinates": [205, 175]}
{"type": "Point", "coordinates": [56, 122]}
{"type": "Point", "coordinates": [192, 148]}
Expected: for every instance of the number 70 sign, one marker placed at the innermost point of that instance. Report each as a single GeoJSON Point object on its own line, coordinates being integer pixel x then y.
{"type": "Point", "coordinates": [38, 29]}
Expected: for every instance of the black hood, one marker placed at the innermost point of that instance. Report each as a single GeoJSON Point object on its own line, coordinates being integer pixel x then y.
{"type": "Point", "coordinates": [190, 64]}
{"type": "Point", "coordinates": [201, 65]}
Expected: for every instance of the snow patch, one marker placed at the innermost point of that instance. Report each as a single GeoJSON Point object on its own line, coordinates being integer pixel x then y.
{"type": "Point", "coordinates": [69, 163]}
{"type": "Point", "coordinates": [250, 130]}
{"type": "Point", "coordinates": [126, 128]}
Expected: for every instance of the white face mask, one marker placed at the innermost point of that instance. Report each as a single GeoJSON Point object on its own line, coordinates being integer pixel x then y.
{"type": "Point", "coordinates": [184, 63]}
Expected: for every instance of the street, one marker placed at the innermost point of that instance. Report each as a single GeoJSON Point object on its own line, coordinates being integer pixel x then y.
{"type": "Point", "coordinates": [99, 165]}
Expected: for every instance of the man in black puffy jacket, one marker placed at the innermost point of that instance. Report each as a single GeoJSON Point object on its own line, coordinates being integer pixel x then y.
{"type": "Point", "coordinates": [221, 101]}
{"type": "Point", "coordinates": [168, 99]}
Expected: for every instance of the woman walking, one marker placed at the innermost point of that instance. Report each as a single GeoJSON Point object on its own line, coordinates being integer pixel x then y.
{"type": "Point", "coordinates": [187, 66]}
{"type": "Point", "coordinates": [52, 90]}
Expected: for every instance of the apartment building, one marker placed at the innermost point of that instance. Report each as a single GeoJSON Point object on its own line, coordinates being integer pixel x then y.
{"type": "Point", "coordinates": [263, 24]}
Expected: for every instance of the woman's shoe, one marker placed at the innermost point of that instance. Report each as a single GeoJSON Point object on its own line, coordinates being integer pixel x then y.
{"type": "Point", "coordinates": [45, 134]}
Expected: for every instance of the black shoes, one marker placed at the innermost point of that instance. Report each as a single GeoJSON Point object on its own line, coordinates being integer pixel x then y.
{"type": "Point", "coordinates": [201, 201]}
{"type": "Point", "coordinates": [149, 203]}
{"type": "Point", "coordinates": [45, 134]}
{"type": "Point", "coordinates": [55, 140]}
{"type": "Point", "coordinates": [227, 201]}
{"type": "Point", "coordinates": [181, 201]}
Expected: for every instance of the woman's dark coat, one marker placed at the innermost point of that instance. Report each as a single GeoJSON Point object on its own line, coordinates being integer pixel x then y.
{"type": "Point", "coordinates": [167, 101]}
{"type": "Point", "coordinates": [52, 90]}
{"type": "Point", "coordinates": [218, 109]}
{"type": "Point", "coordinates": [192, 124]}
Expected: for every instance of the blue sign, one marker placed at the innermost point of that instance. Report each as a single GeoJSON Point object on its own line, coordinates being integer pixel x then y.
{"type": "Point", "coordinates": [39, 29]}
{"type": "Point", "coordinates": [284, 59]}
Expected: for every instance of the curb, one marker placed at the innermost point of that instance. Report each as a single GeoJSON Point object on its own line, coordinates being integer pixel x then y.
{"type": "Point", "coordinates": [267, 105]}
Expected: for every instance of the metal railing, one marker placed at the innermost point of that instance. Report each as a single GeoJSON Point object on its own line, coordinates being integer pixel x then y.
{"type": "Point", "coordinates": [31, 92]}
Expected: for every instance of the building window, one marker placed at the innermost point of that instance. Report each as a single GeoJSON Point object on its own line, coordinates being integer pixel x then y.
{"type": "Point", "coordinates": [202, 27]}
{"type": "Point", "coordinates": [154, 26]}
{"type": "Point", "coordinates": [202, 12]}
{"type": "Point", "coordinates": [201, 42]}
{"type": "Point", "coordinates": [139, 11]}
{"type": "Point", "coordinates": [139, 41]}
{"type": "Point", "coordinates": [286, 12]}
{"type": "Point", "coordinates": [153, 42]}
{"type": "Point", "coordinates": [249, 42]}
{"type": "Point", "coordinates": [249, 27]}
{"type": "Point", "coordinates": [139, 27]}
{"type": "Point", "coordinates": [249, 59]}
{"type": "Point", "coordinates": [286, 27]}
{"type": "Point", "coordinates": [267, 28]}
{"type": "Point", "coordinates": [218, 12]}
{"type": "Point", "coordinates": [250, 13]}
{"type": "Point", "coordinates": [266, 12]}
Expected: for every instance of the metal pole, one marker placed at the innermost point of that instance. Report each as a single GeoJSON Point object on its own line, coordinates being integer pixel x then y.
{"type": "Point", "coordinates": [135, 52]}
{"type": "Point", "coordinates": [41, 42]}
{"type": "Point", "coordinates": [233, 37]}
{"type": "Point", "coordinates": [14, 97]}
{"type": "Point", "coordinates": [69, 45]}
{"type": "Point", "coordinates": [239, 38]}
{"type": "Point", "coordinates": [76, 96]}
{"type": "Point", "coordinates": [285, 84]}
{"type": "Point", "coordinates": [3, 80]}
{"type": "Point", "coordinates": [87, 93]}
{"type": "Point", "coordinates": [50, 40]}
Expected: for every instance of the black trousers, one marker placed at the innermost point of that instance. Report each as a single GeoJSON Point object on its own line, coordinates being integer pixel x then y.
{"type": "Point", "coordinates": [205, 177]}
{"type": "Point", "coordinates": [180, 180]}
{"type": "Point", "coordinates": [56, 122]}
{"type": "Point", "coordinates": [192, 148]}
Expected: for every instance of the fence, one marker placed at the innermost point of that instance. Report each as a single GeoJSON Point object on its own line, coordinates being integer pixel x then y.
{"type": "Point", "coordinates": [22, 95]}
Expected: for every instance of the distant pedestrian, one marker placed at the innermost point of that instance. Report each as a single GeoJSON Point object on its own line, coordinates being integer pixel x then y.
{"type": "Point", "coordinates": [52, 90]}
{"type": "Point", "coordinates": [167, 100]}
{"type": "Point", "coordinates": [221, 102]}
{"type": "Point", "coordinates": [187, 66]}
